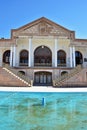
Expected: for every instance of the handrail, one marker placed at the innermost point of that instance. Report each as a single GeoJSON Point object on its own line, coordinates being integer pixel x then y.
{"type": "Point", "coordinates": [75, 84]}
{"type": "Point", "coordinates": [24, 77]}
{"type": "Point", "coordinates": [60, 80]}
{"type": "Point", "coordinates": [19, 74]}
{"type": "Point", "coordinates": [61, 65]}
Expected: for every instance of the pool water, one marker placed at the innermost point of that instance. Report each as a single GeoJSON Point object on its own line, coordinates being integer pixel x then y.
{"type": "Point", "coordinates": [43, 111]}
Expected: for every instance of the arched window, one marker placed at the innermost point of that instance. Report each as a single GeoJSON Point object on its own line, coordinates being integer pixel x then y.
{"type": "Point", "coordinates": [42, 56]}
{"type": "Point", "coordinates": [21, 72]}
{"type": "Point", "coordinates": [61, 58]}
{"type": "Point", "coordinates": [24, 58]}
{"type": "Point", "coordinates": [63, 73]}
{"type": "Point", "coordinates": [6, 57]}
{"type": "Point", "coordinates": [78, 57]}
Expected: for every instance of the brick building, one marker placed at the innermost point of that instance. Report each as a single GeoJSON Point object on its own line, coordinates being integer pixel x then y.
{"type": "Point", "coordinates": [43, 50]}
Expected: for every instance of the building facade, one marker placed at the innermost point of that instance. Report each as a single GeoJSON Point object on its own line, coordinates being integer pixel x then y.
{"type": "Point", "coordinates": [43, 50]}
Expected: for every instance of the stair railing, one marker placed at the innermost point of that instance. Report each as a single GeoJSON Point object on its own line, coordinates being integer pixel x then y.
{"type": "Point", "coordinates": [60, 80]}
{"type": "Point", "coordinates": [19, 74]}
{"type": "Point", "coordinates": [25, 78]}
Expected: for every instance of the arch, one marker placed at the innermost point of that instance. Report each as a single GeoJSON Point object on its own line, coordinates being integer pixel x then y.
{"type": "Point", "coordinates": [78, 58]}
{"type": "Point", "coordinates": [24, 58]}
{"type": "Point", "coordinates": [64, 72]}
{"type": "Point", "coordinates": [6, 57]}
{"type": "Point", "coordinates": [43, 78]}
{"type": "Point", "coordinates": [42, 56]}
{"type": "Point", "coordinates": [61, 58]}
{"type": "Point", "coordinates": [22, 72]}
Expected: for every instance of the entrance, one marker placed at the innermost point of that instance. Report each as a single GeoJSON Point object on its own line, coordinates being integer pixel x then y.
{"type": "Point", "coordinates": [42, 56]}
{"type": "Point", "coordinates": [79, 58]}
{"type": "Point", "coordinates": [43, 78]}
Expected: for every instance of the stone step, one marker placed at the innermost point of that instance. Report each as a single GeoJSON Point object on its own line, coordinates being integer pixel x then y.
{"type": "Point", "coordinates": [9, 79]}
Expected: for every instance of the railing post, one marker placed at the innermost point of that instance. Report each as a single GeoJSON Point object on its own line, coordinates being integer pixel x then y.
{"type": "Point", "coordinates": [53, 82]}
{"type": "Point", "coordinates": [31, 82]}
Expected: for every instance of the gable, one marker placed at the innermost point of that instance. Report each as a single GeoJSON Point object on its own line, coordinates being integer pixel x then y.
{"type": "Point", "coordinates": [42, 27]}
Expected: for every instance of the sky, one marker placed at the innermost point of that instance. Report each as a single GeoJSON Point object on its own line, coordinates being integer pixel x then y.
{"type": "Point", "coordinates": [71, 14]}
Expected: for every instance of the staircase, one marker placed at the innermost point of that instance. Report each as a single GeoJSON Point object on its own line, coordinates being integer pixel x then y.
{"type": "Point", "coordinates": [64, 80]}
{"type": "Point", "coordinates": [10, 78]}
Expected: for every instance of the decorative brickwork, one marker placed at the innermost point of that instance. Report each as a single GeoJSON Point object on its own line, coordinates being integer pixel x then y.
{"type": "Point", "coordinates": [43, 27]}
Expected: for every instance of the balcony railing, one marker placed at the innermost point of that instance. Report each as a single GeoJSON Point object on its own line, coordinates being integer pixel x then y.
{"type": "Point", "coordinates": [61, 65]}
{"type": "Point", "coordinates": [23, 64]}
{"type": "Point", "coordinates": [43, 64]}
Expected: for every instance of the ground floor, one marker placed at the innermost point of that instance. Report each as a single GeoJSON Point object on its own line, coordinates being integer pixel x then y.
{"type": "Point", "coordinates": [43, 76]}
{"type": "Point", "coordinates": [26, 76]}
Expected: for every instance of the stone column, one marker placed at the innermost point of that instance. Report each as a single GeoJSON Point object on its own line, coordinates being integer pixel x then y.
{"type": "Point", "coordinates": [11, 56]}
{"type": "Point", "coordinates": [1, 57]}
{"type": "Point", "coordinates": [74, 62]}
{"type": "Point", "coordinates": [30, 52]}
{"type": "Point", "coordinates": [14, 55]}
{"type": "Point", "coordinates": [55, 52]}
{"type": "Point", "coordinates": [71, 62]}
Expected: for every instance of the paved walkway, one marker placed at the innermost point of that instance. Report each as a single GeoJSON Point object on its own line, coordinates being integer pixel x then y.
{"type": "Point", "coordinates": [42, 89]}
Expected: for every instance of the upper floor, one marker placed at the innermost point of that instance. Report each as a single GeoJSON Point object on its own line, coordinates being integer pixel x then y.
{"type": "Point", "coordinates": [43, 43]}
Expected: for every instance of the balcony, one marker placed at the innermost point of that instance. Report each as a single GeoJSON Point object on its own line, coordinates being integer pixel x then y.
{"type": "Point", "coordinates": [23, 64]}
{"type": "Point", "coordinates": [61, 65]}
{"type": "Point", "coordinates": [43, 64]}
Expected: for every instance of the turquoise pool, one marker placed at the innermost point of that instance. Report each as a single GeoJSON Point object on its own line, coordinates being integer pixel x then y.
{"type": "Point", "coordinates": [43, 111]}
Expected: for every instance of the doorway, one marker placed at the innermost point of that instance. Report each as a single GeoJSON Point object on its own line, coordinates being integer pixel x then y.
{"type": "Point", "coordinates": [79, 58]}
{"type": "Point", "coordinates": [43, 78]}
